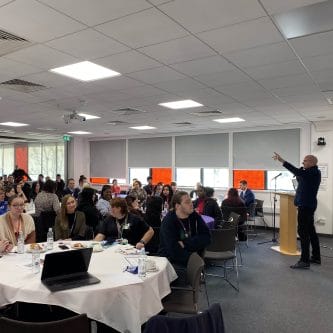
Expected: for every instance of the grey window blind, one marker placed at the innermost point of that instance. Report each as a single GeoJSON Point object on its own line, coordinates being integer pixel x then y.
{"type": "Point", "coordinates": [208, 150]}
{"type": "Point", "coordinates": [254, 150]}
{"type": "Point", "coordinates": [108, 158]}
{"type": "Point", "coordinates": [150, 152]}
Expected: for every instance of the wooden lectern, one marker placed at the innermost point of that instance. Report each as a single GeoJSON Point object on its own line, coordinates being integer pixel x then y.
{"type": "Point", "coordinates": [288, 222]}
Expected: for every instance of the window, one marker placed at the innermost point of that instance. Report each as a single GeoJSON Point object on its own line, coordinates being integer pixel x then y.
{"type": "Point", "coordinates": [188, 176]}
{"type": "Point", "coordinates": [283, 182]}
{"type": "Point", "coordinates": [34, 160]}
{"type": "Point", "coordinates": [139, 173]}
{"type": "Point", "coordinates": [7, 159]}
{"type": "Point", "coordinates": [216, 177]}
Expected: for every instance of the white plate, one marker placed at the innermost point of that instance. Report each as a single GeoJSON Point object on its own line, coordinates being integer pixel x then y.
{"type": "Point", "coordinates": [82, 246]}
{"type": "Point", "coordinates": [42, 250]}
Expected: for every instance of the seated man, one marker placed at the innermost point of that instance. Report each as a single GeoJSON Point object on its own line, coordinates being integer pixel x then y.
{"type": "Point", "coordinates": [122, 224]}
{"type": "Point", "coordinates": [246, 194]}
{"type": "Point", "coordinates": [182, 231]}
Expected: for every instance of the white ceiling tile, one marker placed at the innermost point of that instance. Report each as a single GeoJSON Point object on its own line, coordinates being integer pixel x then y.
{"type": "Point", "coordinates": [274, 70]}
{"type": "Point", "coordinates": [203, 66]}
{"type": "Point", "coordinates": [87, 44]}
{"type": "Point", "coordinates": [143, 91]}
{"type": "Point", "coordinates": [180, 86]}
{"type": "Point", "coordinates": [198, 15]}
{"type": "Point", "coordinates": [313, 45]}
{"type": "Point", "coordinates": [127, 62]}
{"type": "Point", "coordinates": [156, 75]}
{"type": "Point", "coordinates": [144, 28]}
{"type": "Point", "coordinates": [273, 6]}
{"type": "Point", "coordinates": [296, 90]}
{"type": "Point", "coordinates": [48, 79]}
{"type": "Point", "coordinates": [286, 81]}
{"type": "Point", "coordinates": [35, 21]}
{"type": "Point", "coordinates": [178, 50]}
{"type": "Point", "coordinates": [223, 78]}
{"type": "Point", "coordinates": [13, 69]}
{"type": "Point", "coordinates": [97, 11]}
{"type": "Point", "coordinates": [319, 63]}
{"type": "Point", "coordinates": [262, 55]}
{"type": "Point", "coordinates": [242, 36]}
{"type": "Point", "coordinates": [42, 57]}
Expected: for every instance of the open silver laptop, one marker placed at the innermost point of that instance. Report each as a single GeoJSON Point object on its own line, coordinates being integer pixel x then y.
{"type": "Point", "coordinates": [67, 270]}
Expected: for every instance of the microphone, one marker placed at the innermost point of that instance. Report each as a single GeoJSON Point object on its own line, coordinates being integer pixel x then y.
{"type": "Point", "coordinates": [280, 174]}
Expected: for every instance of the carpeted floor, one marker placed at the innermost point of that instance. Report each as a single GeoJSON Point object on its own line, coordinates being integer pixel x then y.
{"type": "Point", "coordinates": [274, 297]}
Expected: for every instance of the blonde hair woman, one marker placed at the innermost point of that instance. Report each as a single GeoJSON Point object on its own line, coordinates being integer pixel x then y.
{"type": "Point", "coordinates": [15, 221]}
{"type": "Point", "coordinates": [69, 223]}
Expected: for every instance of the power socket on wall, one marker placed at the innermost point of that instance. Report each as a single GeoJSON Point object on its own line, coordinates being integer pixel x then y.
{"type": "Point", "coordinates": [320, 221]}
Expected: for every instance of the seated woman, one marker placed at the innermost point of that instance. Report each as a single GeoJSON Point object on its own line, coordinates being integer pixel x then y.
{"type": "Point", "coordinates": [205, 204]}
{"type": "Point", "coordinates": [122, 224]}
{"type": "Point", "coordinates": [47, 200]}
{"type": "Point", "coordinates": [35, 189]}
{"type": "Point", "coordinates": [69, 223]}
{"type": "Point", "coordinates": [153, 212]}
{"type": "Point", "coordinates": [115, 188]}
{"type": "Point", "coordinates": [103, 204]}
{"type": "Point", "coordinates": [87, 206]}
{"type": "Point", "coordinates": [3, 202]}
{"type": "Point", "coordinates": [166, 196]}
{"type": "Point", "coordinates": [15, 221]}
{"type": "Point", "coordinates": [9, 192]}
{"type": "Point", "coordinates": [133, 205]}
{"type": "Point", "coordinates": [139, 192]}
{"type": "Point", "coordinates": [233, 203]}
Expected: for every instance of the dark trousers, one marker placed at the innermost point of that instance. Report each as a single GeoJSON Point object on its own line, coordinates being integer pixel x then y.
{"type": "Point", "coordinates": [307, 233]}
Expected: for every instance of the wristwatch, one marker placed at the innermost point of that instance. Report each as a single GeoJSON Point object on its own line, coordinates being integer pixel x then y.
{"type": "Point", "coordinates": [142, 242]}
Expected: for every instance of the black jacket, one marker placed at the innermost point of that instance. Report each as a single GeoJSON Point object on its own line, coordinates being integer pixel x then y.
{"type": "Point", "coordinates": [308, 185]}
{"type": "Point", "coordinates": [212, 209]}
{"type": "Point", "coordinates": [172, 232]}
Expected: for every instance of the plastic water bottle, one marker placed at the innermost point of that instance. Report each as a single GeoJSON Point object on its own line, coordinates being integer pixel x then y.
{"type": "Point", "coordinates": [20, 243]}
{"type": "Point", "coordinates": [35, 264]}
{"type": "Point", "coordinates": [142, 263]}
{"type": "Point", "coordinates": [49, 241]}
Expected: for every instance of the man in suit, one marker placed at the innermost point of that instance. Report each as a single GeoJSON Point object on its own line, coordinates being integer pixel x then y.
{"type": "Point", "coordinates": [308, 178]}
{"type": "Point", "coordinates": [246, 194]}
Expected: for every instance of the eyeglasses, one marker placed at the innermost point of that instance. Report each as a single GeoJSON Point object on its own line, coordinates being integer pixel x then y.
{"type": "Point", "coordinates": [68, 203]}
{"type": "Point", "coordinates": [18, 205]}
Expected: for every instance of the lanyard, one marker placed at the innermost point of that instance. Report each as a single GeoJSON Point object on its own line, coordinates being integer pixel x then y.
{"type": "Point", "coordinates": [121, 226]}
{"type": "Point", "coordinates": [187, 234]}
{"type": "Point", "coordinates": [73, 225]}
{"type": "Point", "coordinates": [17, 231]}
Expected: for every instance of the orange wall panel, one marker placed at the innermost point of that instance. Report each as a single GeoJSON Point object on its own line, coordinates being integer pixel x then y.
{"type": "Point", "coordinates": [163, 175]}
{"type": "Point", "coordinates": [21, 157]}
{"type": "Point", "coordinates": [255, 178]}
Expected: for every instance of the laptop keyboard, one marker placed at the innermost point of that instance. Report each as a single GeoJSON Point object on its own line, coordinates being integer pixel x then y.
{"type": "Point", "coordinates": [68, 280]}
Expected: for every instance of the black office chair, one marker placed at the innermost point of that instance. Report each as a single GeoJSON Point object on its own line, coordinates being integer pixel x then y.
{"type": "Point", "coordinates": [209, 321]}
{"type": "Point", "coordinates": [45, 221]}
{"type": "Point", "coordinates": [77, 323]}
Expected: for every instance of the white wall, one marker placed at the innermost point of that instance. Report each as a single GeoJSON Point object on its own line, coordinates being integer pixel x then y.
{"type": "Point", "coordinates": [78, 158]}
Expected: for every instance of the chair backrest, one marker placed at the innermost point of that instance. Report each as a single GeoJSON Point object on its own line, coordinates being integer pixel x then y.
{"type": "Point", "coordinates": [252, 210]}
{"type": "Point", "coordinates": [223, 240]}
{"type": "Point", "coordinates": [194, 269]}
{"type": "Point", "coordinates": [260, 207]}
{"type": "Point", "coordinates": [209, 321]}
{"type": "Point", "coordinates": [45, 221]}
{"type": "Point", "coordinates": [78, 323]}
{"type": "Point", "coordinates": [235, 218]}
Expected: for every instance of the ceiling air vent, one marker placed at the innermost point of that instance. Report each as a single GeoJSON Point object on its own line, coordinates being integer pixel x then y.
{"type": "Point", "coordinates": [207, 113]}
{"type": "Point", "coordinates": [127, 111]}
{"type": "Point", "coordinates": [117, 122]}
{"type": "Point", "coordinates": [10, 43]}
{"type": "Point", "coordinates": [22, 86]}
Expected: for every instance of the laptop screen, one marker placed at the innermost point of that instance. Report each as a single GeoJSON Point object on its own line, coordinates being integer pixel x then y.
{"type": "Point", "coordinates": [68, 262]}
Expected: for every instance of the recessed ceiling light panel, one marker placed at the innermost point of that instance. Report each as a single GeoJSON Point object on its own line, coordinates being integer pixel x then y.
{"type": "Point", "coordinates": [88, 116]}
{"type": "Point", "coordinates": [85, 71]}
{"type": "Point", "coordinates": [13, 124]}
{"type": "Point", "coordinates": [80, 132]}
{"type": "Point", "coordinates": [229, 120]}
{"type": "Point", "coordinates": [184, 104]}
{"type": "Point", "coordinates": [141, 128]}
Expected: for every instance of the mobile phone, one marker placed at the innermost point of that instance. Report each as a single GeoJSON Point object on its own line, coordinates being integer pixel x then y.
{"type": "Point", "coordinates": [63, 247]}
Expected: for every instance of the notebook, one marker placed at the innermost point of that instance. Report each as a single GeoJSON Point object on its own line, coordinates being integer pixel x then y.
{"type": "Point", "coordinates": [67, 270]}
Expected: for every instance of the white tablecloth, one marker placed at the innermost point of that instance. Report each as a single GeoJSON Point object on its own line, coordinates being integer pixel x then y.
{"type": "Point", "coordinates": [122, 300]}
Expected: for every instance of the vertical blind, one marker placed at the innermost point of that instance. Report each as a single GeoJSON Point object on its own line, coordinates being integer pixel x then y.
{"type": "Point", "coordinates": [208, 150]}
{"type": "Point", "coordinates": [254, 150]}
{"type": "Point", "coordinates": [108, 158]}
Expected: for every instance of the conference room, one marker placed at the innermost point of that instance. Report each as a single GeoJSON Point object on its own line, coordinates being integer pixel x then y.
{"type": "Point", "coordinates": [183, 91]}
